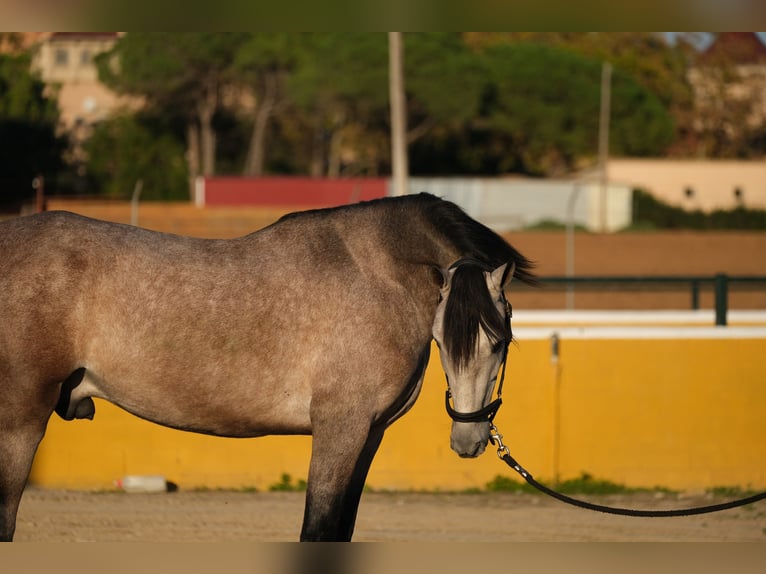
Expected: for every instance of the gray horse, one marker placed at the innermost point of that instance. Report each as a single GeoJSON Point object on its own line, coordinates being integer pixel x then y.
{"type": "Point", "coordinates": [320, 324]}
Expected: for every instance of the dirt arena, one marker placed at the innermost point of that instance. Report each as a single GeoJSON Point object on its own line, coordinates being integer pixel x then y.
{"type": "Point", "coordinates": [224, 516]}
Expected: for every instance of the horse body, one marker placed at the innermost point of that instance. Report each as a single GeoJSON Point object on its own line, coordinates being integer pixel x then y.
{"type": "Point", "coordinates": [319, 324]}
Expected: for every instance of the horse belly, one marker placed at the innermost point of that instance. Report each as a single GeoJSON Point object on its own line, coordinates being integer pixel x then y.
{"type": "Point", "coordinates": [217, 403]}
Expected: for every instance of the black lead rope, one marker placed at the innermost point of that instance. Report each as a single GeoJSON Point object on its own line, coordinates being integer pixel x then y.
{"type": "Point", "coordinates": [505, 455]}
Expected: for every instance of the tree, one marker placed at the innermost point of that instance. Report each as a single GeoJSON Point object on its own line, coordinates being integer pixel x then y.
{"type": "Point", "coordinates": [646, 57]}
{"type": "Point", "coordinates": [263, 64]}
{"type": "Point", "coordinates": [340, 85]}
{"type": "Point", "coordinates": [444, 82]}
{"type": "Point", "coordinates": [542, 104]}
{"type": "Point", "coordinates": [28, 145]}
{"type": "Point", "coordinates": [126, 149]}
{"type": "Point", "coordinates": [177, 73]}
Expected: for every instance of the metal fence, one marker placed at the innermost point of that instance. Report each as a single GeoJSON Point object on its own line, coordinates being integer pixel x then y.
{"type": "Point", "coordinates": [720, 284]}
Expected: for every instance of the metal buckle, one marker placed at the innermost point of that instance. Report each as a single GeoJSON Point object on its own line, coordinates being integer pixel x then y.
{"type": "Point", "coordinates": [496, 438]}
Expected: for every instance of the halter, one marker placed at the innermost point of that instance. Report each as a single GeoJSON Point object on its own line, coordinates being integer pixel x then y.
{"type": "Point", "coordinates": [487, 413]}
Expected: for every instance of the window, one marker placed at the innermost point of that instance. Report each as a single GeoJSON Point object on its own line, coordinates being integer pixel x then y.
{"type": "Point", "coordinates": [85, 57]}
{"type": "Point", "coordinates": [61, 57]}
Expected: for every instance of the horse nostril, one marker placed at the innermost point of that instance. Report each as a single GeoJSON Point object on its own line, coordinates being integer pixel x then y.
{"type": "Point", "coordinates": [478, 448]}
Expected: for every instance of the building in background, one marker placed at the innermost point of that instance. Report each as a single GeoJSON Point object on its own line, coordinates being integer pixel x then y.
{"type": "Point", "coordinates": [65, 62]}
{"type": "Point", "coordinates": [729, 83]}
{"type": "Point", "coordinates": [705, 185]}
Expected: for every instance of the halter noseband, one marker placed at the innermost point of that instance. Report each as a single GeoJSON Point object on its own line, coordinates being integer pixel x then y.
{"type": "Point", "coordinates": [487, 413]}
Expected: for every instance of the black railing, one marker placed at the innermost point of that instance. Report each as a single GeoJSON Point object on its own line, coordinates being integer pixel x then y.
{"type": "Point", "coordinates": [719, 282]}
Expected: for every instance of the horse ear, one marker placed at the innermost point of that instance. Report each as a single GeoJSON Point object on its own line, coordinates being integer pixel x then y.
{"type": "Point", "coordinates": [508, 277]}
{"type": "Point", "coordinates": [502, 276]}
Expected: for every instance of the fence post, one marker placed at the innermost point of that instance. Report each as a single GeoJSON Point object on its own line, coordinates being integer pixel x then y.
{"type": "Point", "coordinates": [721, 298]}
{"type": "Point", "coordinates": [695, 294]}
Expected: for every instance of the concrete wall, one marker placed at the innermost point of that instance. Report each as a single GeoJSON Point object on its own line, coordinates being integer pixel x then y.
{"type": "Point", "coordinates": [676, 407]}
{"type": "Point", "coordinates": [507, 204]}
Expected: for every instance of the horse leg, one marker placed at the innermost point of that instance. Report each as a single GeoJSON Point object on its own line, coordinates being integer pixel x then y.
{"type": "Point", "coordinates": [358, 479]}
{"type": "Point", "coordinates": [17, 451]}
{"type": "Point", "coordinates": [340, 460]}
{"type": "Point", "coordinates": [24, 413]}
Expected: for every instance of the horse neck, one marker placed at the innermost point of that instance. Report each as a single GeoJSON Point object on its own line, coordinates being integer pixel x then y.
{"type": "Point", "coordinates": [411, 239]}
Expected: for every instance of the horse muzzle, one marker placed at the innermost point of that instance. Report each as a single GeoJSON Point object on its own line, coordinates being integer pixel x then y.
{"type": "Point", "coordinates": [469, 440]}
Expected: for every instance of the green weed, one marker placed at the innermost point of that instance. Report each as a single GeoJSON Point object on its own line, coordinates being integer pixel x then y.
{"type": "Point", "coordinates": [584, 484]}
{"type": "Point", "coordinates": [730, 491]}
{"type": "Point", "coordinates": [286, 484]}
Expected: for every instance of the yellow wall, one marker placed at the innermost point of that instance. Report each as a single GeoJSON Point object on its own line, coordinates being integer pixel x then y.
{"type": "Point", "coordinates": [678, 413]}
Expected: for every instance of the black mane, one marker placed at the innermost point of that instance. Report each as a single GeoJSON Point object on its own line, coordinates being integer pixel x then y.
{"type": "Point", "coordinates": [473, 240]}
{"type": "Point", "coordinates": [469, 306]}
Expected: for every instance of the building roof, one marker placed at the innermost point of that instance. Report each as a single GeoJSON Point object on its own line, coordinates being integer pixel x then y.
{"type": "Point", "coordinates": [734, 48]}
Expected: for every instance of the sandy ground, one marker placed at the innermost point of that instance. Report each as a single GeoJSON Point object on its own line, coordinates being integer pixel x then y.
{"type": "Point", "coordinates": [224, 516]}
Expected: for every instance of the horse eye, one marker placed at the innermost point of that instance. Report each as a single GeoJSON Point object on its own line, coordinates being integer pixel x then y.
{"type": "Point", "coordinates": [497, 347]}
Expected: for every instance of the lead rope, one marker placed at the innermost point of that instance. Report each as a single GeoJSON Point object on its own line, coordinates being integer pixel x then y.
{"type": "Point", "coordinates": [505, 455]}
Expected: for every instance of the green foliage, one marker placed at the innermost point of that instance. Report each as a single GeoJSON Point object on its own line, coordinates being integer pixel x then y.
{"type": "Point", "coordinates": [478, 103]}
{"type": "Point", "coordinates": [731, 491]}
{"type": "Point", "coordinates": [544, 103]}
{"type": "Point", "coordinates": [178, 75]}
{"type": "Point", "coordinates": [444, 79]}
{"type": "Point", "coordinates": [169, 69]}
{"type": "Point", "coordinates": [286, 484]}
{"type": "Point", "coordinates": [505, 484]}
{"type": "Point", "coordinates": [126, 149]}
{"type": "Point", "coordinates": [651, 213]}
{"type": "Point", "coordinates": [341, 72]}
{"type": "Point", "coordinates": [552, 225]}
{"type": "Point", "coordinates": [525, 107]}
{"type": "Point", "coordinates": [28, 142]}
{"type": "Point", "coordinates": [640, 125]}
{"type": "Point", "coordinates": [584, 484]}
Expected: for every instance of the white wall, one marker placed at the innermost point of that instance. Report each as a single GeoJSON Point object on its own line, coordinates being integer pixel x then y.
{"type": "Point", "coordinates": [506, 204]}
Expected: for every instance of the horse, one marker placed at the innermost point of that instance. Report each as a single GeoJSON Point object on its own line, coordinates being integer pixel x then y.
{"type": "Point", "coordinates": [318, 324]}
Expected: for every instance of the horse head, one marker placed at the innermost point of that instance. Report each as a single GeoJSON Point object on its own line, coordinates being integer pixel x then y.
{"type": "Point", "coordinates": [472, 329]}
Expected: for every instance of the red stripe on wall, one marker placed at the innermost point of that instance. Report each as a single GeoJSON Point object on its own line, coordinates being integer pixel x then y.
{"type": "Point", "coordinates": [291, 191]}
